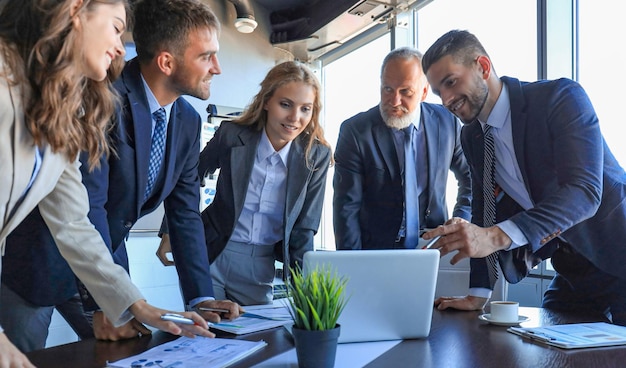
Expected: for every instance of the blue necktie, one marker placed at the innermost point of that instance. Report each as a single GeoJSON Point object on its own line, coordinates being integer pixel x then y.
{"type": "Point", "coordinates": [156, 150]}
{"type": "Point", "coordinates": [411, 197]}
{"type": "Point", "coordinates": [489, 197]}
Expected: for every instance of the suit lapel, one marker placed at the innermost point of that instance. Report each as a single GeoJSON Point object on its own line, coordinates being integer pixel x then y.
{"type": "Point", "coordinates": [241, 161]}
{"type": "Point", "coordinates": [142, 124]}
{"type": "Point", "coordinates": [433, 143]}
{"type": "Point", "coordinates": [23, 153]}
{"type": "Point", "coordinates": [171, 144]}
{"type": "Point", "coordinates": [297, 176]}
{"type": "Point", "coordinates": [52, 166]}
{"type": "Point", "coordinates": [384, 140]}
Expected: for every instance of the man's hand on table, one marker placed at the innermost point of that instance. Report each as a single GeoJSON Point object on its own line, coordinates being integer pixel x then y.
{"type": "Point", "coordinates": [103, 329]}
{"type": "Point", "coordinates": [234, 310]}
{"type": "Point", "coordinates": [461, 303]}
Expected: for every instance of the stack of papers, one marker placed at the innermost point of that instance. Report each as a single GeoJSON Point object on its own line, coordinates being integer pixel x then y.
{"type": "Point", "coordinates": [199, 352]}
{"type": "Point", "coordinates": [576, 335]}
{"type": "Point", "coordinates": [256, 318]}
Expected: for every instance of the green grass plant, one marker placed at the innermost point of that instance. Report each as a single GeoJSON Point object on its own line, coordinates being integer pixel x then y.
{"type": "Point", "coordinates": [317, 298]}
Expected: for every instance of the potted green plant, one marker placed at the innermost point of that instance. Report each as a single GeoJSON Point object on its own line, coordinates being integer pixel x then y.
{"type": "Point", "coordinates": [317, 299]}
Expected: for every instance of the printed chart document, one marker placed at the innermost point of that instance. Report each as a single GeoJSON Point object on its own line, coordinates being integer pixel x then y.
{"type": "Point", "coordinates": [576, 335]}
{"type": "Point", "coordinates": [257, 318]}
{"type": "Point", "coordinates": [199, 352]}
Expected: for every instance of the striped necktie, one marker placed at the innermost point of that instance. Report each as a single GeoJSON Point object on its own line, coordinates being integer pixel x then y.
{"type": "Point", "coordinates": [489, 197]}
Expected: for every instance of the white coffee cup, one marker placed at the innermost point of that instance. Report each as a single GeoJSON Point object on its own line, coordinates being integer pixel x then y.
{"type": "Point", "coordinates": [504, 311]}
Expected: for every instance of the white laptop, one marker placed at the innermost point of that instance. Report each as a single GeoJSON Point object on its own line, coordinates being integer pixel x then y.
{"type": "Point", "coordinates": [391, 292]}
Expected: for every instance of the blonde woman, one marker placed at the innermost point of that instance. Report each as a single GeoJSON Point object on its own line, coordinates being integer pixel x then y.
{"type": "Point", "coordinates": [273, 162]}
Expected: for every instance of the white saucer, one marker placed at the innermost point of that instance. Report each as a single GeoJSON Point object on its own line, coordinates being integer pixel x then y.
{"type": "Point", "coordinates": [487, 318]}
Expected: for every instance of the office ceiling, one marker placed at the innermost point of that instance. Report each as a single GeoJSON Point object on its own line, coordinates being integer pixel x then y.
{"type": "Point", "coordinates": [309, 29]}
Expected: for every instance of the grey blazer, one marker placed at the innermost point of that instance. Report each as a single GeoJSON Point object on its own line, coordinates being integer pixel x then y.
{"type": "Point", "coordinates": [232, 150]}
{"type": "Point", "coordinates": [63, 204]}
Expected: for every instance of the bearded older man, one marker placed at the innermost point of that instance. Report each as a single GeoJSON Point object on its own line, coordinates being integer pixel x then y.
{"type": "Point", "coordinates": [376, 205]}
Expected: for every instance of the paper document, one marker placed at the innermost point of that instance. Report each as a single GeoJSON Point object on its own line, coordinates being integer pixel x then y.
{"type": "Point", "coordinates": [576, 335]}
{"type": "Point", "coordinates": [278, 310]}
{"type": "Point", "coordinates": [257, 318]}
{"type": "Point", "coordinates": [199, 352]}
{"type": "Point", "coordinates": [254, 320]}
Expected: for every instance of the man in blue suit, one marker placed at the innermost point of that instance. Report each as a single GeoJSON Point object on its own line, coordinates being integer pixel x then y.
{"type": "Point", "coordinates": [369, 195]}
{"type": "Point", "coordinates": [177, 43]}
{"type": "Point", "coordinates": [560, 192]}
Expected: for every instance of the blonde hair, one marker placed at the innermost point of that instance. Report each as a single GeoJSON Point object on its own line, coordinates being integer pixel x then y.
{"type": "Point", "coordinates": [279, 75]}
{"type": "Point", "coordinates": [62, 107]}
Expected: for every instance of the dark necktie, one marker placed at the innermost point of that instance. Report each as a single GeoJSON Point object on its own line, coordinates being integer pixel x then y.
{"type": "Point", "coordinates": [489, 197]}
{"type": "Point", "coordinates": [411, 198]}
{"type": "Point", "coordinates": [156, 150]}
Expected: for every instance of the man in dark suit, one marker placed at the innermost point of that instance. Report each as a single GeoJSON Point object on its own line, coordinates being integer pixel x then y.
{"type": "Point", "coordinates": [369, 198]}
{"type": "Point", "coordinates": [176, 55]}
{"type": "Point", "coordinates": [560, 192]}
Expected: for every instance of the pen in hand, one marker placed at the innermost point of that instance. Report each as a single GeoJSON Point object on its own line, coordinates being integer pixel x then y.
{"type": "Point", "coordinates": [216, 310]}
{"type": "Point", "coordinates": [431, 242]}
{"type": "Point", "coordinates": [180, 319]}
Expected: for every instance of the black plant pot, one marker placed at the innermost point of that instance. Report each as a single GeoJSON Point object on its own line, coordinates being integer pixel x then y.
{"type": "Point", "coordinates": [316, 349]}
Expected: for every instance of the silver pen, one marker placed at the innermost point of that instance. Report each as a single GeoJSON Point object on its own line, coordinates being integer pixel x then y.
{"type": "Point", "coordinates": [177, 318]}
{"type": "Point", "coordinates": [432, 242]}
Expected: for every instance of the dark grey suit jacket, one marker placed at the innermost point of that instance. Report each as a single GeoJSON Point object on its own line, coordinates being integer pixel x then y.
{"type": "Point", "coordinates": [232, 150]}
{"type": "Point", "coordinates": [369, 200]}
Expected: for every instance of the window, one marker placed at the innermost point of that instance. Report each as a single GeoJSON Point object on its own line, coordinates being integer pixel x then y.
{"type": "Point", "coordinates": [511, 41]}
{"type": "Point", "coordinates": [351, 85]}
{"type": "Point", "coordinates": [600, 61]}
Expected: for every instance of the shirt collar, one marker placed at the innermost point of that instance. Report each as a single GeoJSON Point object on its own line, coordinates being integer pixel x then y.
{"type": "Point", "coordinates": [418, 116]}
{"type": "Point", "coordinates": [153, 104]}
{"type": "Point", "coordinates": [266, 149]}
{"type": "Point", "coordinates": [500, 110]}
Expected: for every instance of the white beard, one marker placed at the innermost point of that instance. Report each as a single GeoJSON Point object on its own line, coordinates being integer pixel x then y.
{"type": "Point", "coordinates": [398, 122]}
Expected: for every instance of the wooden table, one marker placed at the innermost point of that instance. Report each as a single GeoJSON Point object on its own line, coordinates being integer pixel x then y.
{"type": "Point", "coordinates": [457, 339]}
{"type": "Point", "coordinates": [94, 354]}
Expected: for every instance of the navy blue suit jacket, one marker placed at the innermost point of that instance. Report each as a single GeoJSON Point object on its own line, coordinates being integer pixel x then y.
{"type": "Point", "coordinates": [577, 187]}
{"type": "Point", "coordinates": [116, 193]}
{"type": "Point", "coordinates": [368, 200]}
{"type": "Point", "coordinates": [232, 150]}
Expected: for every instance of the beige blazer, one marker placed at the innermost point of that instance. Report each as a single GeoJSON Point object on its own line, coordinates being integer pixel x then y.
{"type": "Point", "coordinates": [63, 204]}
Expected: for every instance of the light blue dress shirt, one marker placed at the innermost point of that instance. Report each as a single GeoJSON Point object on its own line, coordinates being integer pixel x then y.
{"type": "Point", "coordinates": [261, 220]}
{"type": "Point", "coordinates": [154, 106]}
{"type": "Point", "coordinates": [420, 159]}
{"type": "Point", "coordinates": [508, 173]}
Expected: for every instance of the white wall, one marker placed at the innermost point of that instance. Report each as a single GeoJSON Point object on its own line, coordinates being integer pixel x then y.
{"type": "Point", "coordinates": [244, 58]}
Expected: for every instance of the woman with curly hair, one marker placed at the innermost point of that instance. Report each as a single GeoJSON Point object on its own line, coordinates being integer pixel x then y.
{"type": "Point", "coordinates": [56, 101]}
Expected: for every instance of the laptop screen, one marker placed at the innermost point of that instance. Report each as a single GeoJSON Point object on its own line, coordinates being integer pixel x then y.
{"type": "Point", "coordinates": [391, 292]}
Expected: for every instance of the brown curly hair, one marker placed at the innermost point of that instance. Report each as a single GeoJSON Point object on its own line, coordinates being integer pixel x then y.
{"type": "Point", "coordinates": [42, 50]}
